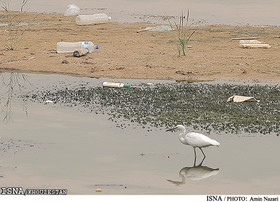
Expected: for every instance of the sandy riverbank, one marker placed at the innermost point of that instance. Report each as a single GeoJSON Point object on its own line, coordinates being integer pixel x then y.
{"type": "Point", "coordinates": [124, 53]}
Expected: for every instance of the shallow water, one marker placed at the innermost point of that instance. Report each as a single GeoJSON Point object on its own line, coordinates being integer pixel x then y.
{"type": "Point", "coordinates": [55, 146]}
{"type": "Point", "coordinates": [237, 12]}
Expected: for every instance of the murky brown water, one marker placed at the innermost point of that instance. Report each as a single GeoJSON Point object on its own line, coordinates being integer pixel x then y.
{"type": "Point", "coordinates": [53, 146]}
{"type": "Point", "coordinates": [237, 12]}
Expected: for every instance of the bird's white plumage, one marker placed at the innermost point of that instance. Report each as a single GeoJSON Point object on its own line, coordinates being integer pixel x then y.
{"type": "Point", "coordinates": [197, 140]}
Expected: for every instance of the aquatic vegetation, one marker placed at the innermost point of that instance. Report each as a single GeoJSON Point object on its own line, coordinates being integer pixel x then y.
{"type": "Point", "coordinates": [181, 33]}
{"type": "Point", "coordinates": [200, 106]}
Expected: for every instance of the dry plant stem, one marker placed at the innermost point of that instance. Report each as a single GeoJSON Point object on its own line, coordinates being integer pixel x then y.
{"type": "Point", "coordinates": [13, 21]}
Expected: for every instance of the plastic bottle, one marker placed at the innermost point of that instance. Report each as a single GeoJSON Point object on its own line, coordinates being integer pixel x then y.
{"type": "Point", "coordinates": [115, 85]}
{"type": "Point", "coordinates": [92, 19]}
{"type": "Point", "coordinates": [70, 47]}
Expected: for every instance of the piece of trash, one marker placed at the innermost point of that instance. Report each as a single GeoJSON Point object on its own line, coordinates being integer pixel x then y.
{"type": "Point", "coordinates": [115, 85]}
{"type": "Point", "coordinates": [99, 18]}
{"type": "Point", "coordinates": [49, 101]}
{"type": "Point", "coordinates": [70, 47]}
{"type": "Point", "coordinates": [98, 190]}
{"type": "Point", "coordinates": [245, 38]}
{"type": "Point", "coordinates": [156, 29]}
{"type": "Point", "coordinates": [255, 46]}
{"type": "Point", "coordinates": [238, 98]}
{"type": "Point", "coordinates": [64, 62]}
{"type": "Point", "coordinates": [72, 10]}
{"type": "Point", "coordinates": [81, 52]}
{"type": "Point", "coordinates": [251, 42]}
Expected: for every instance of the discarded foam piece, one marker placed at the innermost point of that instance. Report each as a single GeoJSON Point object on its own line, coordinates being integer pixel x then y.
{"type": "Point", "coordinates": [239, 98]}
{"type": "Point", "coordinates": [255, 46]}
{"type": "Point", "coordinates": [251, 42]}
{"type": "Point", "coordinates": [49, 101]}
{"type": "Point", "coordinates": [156, 29]}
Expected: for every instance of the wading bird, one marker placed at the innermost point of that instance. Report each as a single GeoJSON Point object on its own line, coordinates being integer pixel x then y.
{"type": "Point", "coordinates": [194, 139]}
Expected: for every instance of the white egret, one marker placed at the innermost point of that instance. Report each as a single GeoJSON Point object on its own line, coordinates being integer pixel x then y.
{"type": "Point", "coordinates": [194, 139]}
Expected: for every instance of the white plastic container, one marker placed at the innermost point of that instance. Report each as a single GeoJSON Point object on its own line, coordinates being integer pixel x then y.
{"type": "Point", "coordinates": [250, 42]}
{"type": "Point", "coordinates": [115, 85]}
{"type": "Point", "coordinates": [70, 47]}
{"type": "Point", "coordinates": [255, 46]}
{"type": "Point", "coordinates": [99, 18]}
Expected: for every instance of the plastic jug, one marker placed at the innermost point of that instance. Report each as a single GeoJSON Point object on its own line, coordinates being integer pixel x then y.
{"type": "Point", "coordinates": [92, 19]}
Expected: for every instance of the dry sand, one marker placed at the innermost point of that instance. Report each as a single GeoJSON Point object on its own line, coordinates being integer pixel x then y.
{"type": "Point", "coordinates": [124, 53]}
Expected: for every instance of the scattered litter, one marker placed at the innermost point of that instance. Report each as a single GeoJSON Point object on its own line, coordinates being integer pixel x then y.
{"type": "Point", "coordinates": [255, 46]}
{"type": "Point", "coordinates": [115, 85]}
{"type": "Point", "coordinates": [246, 38]}
{"type": "Point", "coordinates": [98, 190]}
{"type": "Point", "coordinates": [72, 10]}
{"type": "Point", "coordinates": [238, 98]}
{"type": "Point", "coordinates": [81, 52]}
{"type": "Point", "coordinates": [70, 47]}
{"type": "Point", "coordinates": [156, 29]}
{"type": "Point", "coordinates": [99, 18]}
{"type": "Point", "coordinates": [49, 101]}
{"type": "Point", "coordinates": [250, 42]}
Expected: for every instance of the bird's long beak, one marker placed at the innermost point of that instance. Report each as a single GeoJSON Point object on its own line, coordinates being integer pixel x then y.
{"type": "Point", "coordinates": [171, 129]}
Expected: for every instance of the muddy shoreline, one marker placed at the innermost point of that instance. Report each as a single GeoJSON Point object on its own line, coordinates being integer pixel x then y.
{"type": "Point", "coordinates": [124, 53]}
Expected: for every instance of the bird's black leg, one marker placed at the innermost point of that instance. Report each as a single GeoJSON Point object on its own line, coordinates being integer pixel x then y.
{"type": "Point", "coordinates": [194, 156]}
{"type": "Point", "coordinates": [202, 152]}
{"type": "Point", "coordinates": [201, 162]}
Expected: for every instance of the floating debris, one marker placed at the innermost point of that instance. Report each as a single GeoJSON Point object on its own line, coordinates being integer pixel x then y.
{"type": "Point", "coordinates": [238, 98]}
{"type": "Point", "coordinates": [49, 101]}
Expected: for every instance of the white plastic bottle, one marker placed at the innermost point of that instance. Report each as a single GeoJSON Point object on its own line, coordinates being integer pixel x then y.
{"type": "Point", "coordinates": [92, 19]}
{"type": "Point", "coordinates": [70, 47]}
{"type": "Point", "coordinates": [115, 85]}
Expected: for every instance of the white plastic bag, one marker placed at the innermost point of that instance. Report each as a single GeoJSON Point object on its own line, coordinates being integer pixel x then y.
{"type": "Point", "coordinates": [238, 98]}
{"type": "Point", "coordinates": [72, 10]}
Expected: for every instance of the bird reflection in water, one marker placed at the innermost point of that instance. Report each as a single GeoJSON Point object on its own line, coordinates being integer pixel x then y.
{"type": "Point", "coordinates": [196, 172]}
